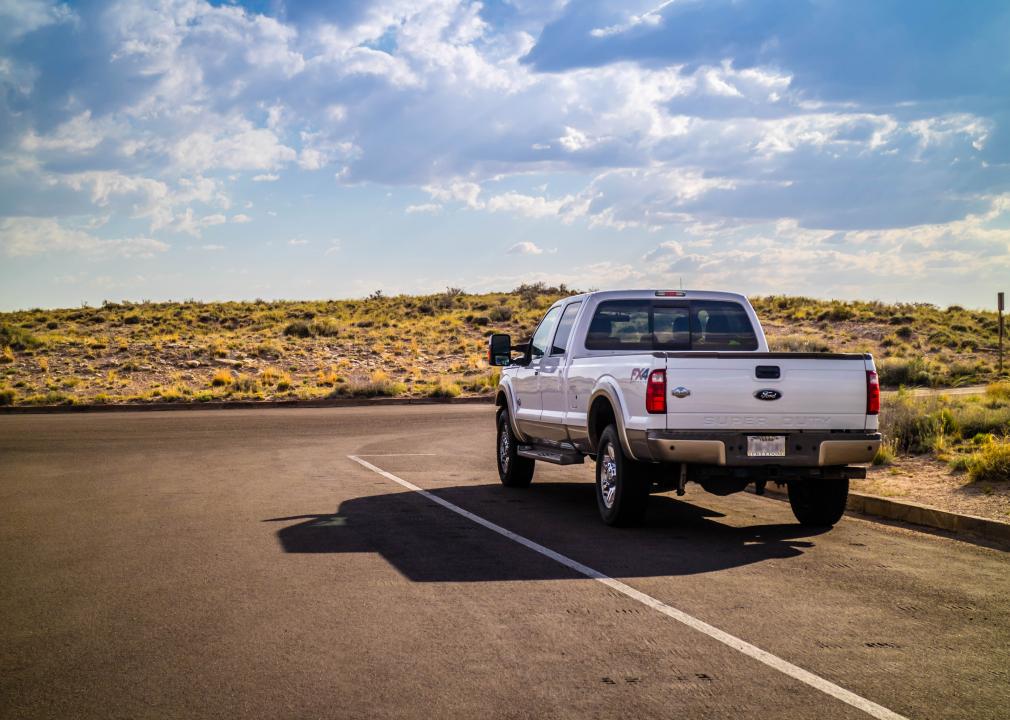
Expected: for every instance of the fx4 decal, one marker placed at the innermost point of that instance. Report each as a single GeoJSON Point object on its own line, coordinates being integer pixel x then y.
{"type": "Point", "coordinates": [641, 374]}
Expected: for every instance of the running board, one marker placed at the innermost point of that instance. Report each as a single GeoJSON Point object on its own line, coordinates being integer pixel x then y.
{"type": "Point", "coordinates": [556, 456]}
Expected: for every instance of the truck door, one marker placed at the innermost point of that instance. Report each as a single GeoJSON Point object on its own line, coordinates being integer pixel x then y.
{"type": "Point", "coordinates": [552, 377]}
{"type": "Point", "coordinates": [526, 381]}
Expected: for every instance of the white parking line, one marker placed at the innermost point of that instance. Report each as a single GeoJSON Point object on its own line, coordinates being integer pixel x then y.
{"type": "Point", "coordinates": [815, 681]}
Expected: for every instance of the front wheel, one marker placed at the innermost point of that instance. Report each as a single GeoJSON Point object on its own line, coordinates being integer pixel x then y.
{"type": "Point", "coordinates": [513, 471]}
{"type": "Point", "coordinates": [818, 502]}
{"type": "Point", "coordinates": [622, 489]}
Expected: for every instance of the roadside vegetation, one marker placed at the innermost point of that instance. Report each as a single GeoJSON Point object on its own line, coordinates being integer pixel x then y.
{"type": "Point", "coordinates": [421, 346]}
{"type": "Point", "coordinates": [952, 451]}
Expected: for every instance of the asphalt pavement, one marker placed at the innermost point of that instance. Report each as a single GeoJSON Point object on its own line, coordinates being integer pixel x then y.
{"type": "Point", "coordinates": [223, 564]}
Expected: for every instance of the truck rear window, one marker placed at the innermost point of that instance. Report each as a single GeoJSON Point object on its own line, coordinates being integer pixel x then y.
{"type": "Point", "coordinates": [660, 325]}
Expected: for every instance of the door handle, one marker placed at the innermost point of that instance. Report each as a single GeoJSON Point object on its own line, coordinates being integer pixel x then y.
{"type": "Point", "coordinates": [536, 372]}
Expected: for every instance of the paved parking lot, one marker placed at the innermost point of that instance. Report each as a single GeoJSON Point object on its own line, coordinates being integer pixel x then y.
{"type": "Point", "coordinates": [242, 563]}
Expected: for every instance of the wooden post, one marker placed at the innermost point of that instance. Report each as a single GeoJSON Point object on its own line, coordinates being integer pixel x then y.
{"type": "Point", "coordinates": [999, 306]}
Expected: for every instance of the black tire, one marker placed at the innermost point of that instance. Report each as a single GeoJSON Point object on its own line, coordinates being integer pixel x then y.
{"type": "Point", "coordinates": [622, 488]}
{"type": "Point", "coordinates": [819, 503]}
{"type": "Point", "coordinates": [513, 471]}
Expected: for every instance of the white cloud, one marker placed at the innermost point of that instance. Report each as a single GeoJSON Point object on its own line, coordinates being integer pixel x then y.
{"type": "Point", "coordinates": [26, 236]}
{"type": "Point", "coordinates": [241, 218]}
{"type": "Point", "coordinates": [535, 206]}
{"type": "Point", "coordinates": [266, 177]}
{"type": "Point", "coordinates": [20, 17]}
{"type": "Point", "coordinates": [77, 135]}
{"type": "Point", "coordinates": [423, 208]}
{"type": "Point", "coordinates": [241, 147]}
{"type": "Point", "coordinates": [525, 248]}
{"type": "Point", "coordinates": [212, 247]}
{"type": "Point", "coordinates": [298, 241]}
{"type": "Point", "coordinates": [461, 191]}
{"type": "Point", "coordinates": [652, 17]}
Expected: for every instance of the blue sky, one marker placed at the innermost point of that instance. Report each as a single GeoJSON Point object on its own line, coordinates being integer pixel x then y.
{"type": "Point", "coordinates": [170, 150]}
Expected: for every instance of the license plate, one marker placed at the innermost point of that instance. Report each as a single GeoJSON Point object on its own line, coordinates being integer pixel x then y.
{"type": "Point", "coordinates": [766, 446]}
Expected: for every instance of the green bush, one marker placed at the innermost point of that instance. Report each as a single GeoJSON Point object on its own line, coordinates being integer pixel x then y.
{"type": "Point", "coordinates": [885, 453]}
{"type": "Point", "coordinates": [898, 371]}
{"type": "Point", "coordinates": [445, 389]}
{"type": "Point", "coordinates": [326, 327]}
{"type": "Point", "coordinates": [7, 396]}
{"type": "Point", "coordinates": [991, 463]}
{"type": "Point", "coordinates": [502, 313]}
{"type": "Point", "coordinates": [299, 328]}
{"type": "Point", "coordinates": [17, 338]}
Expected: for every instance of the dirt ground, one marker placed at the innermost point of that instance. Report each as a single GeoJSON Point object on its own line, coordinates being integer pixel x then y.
{"type": "Point", "coordinates": [928, 481]}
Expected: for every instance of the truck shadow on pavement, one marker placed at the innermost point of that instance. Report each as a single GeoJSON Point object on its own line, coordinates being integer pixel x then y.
{"type": "Point", "coordinates": [428, 543]}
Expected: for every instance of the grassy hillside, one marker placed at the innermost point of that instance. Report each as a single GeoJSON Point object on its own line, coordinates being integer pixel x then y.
{"type": "Point", "coordinates": [429, 345]}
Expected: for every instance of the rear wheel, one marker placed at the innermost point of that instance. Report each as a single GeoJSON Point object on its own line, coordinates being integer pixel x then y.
{"type": "Point", "coordinates": [513, 471]}
{"type": "Point", "coordinates": [818, 502]}
{"type": "Point", "coordinates": [622, 488]}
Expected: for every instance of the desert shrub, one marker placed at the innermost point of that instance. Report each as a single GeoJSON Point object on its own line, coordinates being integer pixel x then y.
{"type": "Point", "coordinates": [52, 325]}
{"type": "Point", "coordinates": [379, 385]}
{"type": "Point", "coordinates": [325, 326]}
{"type": "Point", "coordinates": [222, 378]}
{"type": "Point", "coordinates": [502, 313]}
{"type": "Point", "coordinates": [998, 391]}
{"type": "Point", "coordinates": [991, 463]}
{"type": "Point", "coordinates": [797, 343]}
{"type": "Point", "coordinates": [270, 375]}
{"type": "Point", "coordinates": [904, 332]}
{"type": "Point", "coordinates": [838, 312]}
{"type": "Point", "coordinates": [246, 384]}
{"type": "Point", "coordinates": [885, 453]}
{"type": "Point", "coordinates": [17, 338]}
{"type": "Point", "coordinates": [917, 424]}
{"type": "Point", "coordinates": [6, 354]}
{"type": "Point", "coordinates": [298, 328]}
{"type": "Point", "coordinates": [173, 393]}
{"type": "Point", "coordinates": [942, 338]}
{"type": "Point", "coordinates": [484, 383]}
{"type": "Point", "coordinates": [7, 396]}
{"type": "Point", "coordinates": [53, 397]}
{"type": "Point", "coordinates": [269, 348]}
{"type": "Point", "coordinates": [445, 389]}
{"type": "Point", "coordinates": [898, 371]}
{"type": "Point", "coordinates": [328, 377]}
{"type": "Point", "coordinates": [132, 319]}
{"type": "Point", "coordinates": [974, 419]}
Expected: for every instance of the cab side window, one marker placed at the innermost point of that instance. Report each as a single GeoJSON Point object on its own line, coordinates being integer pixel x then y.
{"type": "Point", "coordinates": [538, 345]}
{"type": "Point", "coordinates": [564, 332]}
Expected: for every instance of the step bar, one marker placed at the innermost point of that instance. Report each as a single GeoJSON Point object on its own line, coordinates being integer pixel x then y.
{"type": "Point", "coordinates": [556, 456]}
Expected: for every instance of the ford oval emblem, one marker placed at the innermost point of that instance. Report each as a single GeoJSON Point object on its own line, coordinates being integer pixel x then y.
{"type": "Point", "coordinates": [767, 394]}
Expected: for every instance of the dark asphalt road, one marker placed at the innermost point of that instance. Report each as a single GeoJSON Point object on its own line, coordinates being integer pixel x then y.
{"type": "Point", "coordinates": [238, 564]}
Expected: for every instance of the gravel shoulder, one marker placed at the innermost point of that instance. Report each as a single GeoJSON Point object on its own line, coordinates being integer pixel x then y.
{"type": "Point", "coordinates": [925, 480]}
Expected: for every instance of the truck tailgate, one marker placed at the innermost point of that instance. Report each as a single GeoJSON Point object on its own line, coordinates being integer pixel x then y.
{"type": "Point", "coordinates": [811, 392]}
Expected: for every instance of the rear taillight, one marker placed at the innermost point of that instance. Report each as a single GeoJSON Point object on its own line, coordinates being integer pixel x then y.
{"type": "Point", "coordinates": [872, 393]}
{"type": "Point", "coordinates": [655, 392]}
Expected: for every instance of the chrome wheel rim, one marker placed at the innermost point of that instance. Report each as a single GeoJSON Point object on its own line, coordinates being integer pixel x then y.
{"type": "Point", "coordinates": [608, 477]}
{"type": "Point", "coordinates": [503, 448]}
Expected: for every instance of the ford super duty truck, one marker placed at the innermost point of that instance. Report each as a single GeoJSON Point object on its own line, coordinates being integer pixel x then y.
{"type": "Point", "coordinates": [665, 387]}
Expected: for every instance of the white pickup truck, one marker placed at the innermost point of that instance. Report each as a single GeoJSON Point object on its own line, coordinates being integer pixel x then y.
{"type": "Point", "coordinates": [663, 387]}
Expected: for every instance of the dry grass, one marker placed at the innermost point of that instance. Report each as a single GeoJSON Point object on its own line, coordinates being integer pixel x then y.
{"type": "Point", "coordinates": [123, 350]}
